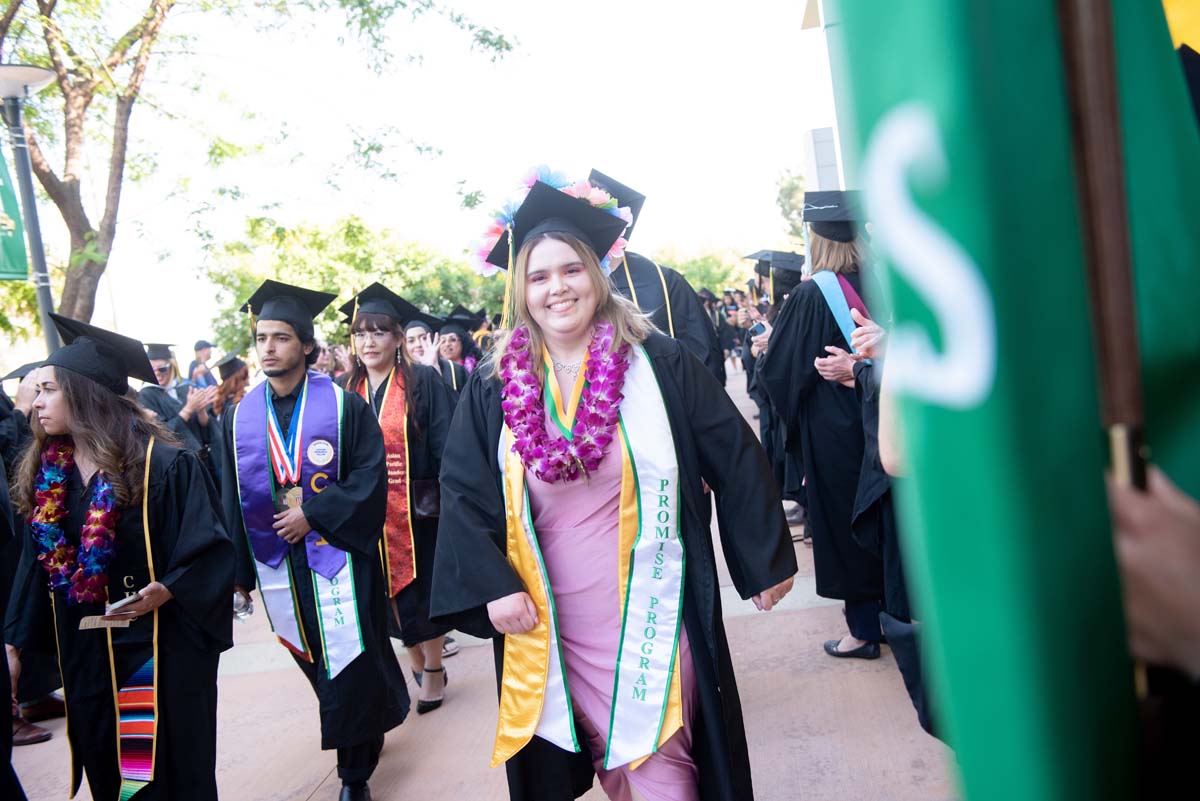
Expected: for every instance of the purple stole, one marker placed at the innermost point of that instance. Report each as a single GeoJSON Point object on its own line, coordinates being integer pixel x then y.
{"type": "Point", "coordinates": [320, 421]}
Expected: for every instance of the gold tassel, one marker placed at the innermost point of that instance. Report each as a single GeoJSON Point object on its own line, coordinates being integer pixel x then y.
{"type": "Point", "coordinates": [353, 319]}
{"type": "Point", "coordinates": [506, 316]}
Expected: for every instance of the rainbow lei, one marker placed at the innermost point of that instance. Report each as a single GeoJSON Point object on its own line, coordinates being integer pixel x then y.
{"type": "Point", "coordinates": [582, 190]}
{"type": "Point", "coordinates": [85, 578]}
{"type": "Point", "coordinates": [550, 457]}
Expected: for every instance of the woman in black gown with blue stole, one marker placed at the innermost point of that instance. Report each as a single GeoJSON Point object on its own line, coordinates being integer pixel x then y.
{"type": "Point", "coordinates": [116, 511]}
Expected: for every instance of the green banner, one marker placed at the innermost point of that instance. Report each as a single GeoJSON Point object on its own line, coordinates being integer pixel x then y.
{"type": "Point", "coordinates": [963, 147]}
{"type": "Point", "coordinates": [14, 266]}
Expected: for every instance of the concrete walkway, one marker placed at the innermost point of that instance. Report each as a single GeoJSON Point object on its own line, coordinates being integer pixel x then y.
{"type": "Point", "coordinates": [819, 729]}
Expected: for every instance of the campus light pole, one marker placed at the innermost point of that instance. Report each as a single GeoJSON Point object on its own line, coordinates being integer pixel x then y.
{"type": "Point", "coordinates": [18, 81]}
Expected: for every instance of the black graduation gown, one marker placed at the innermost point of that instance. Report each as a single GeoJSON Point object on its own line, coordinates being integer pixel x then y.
{"type": "Point", "coordinates": [713, 443]}
{"type": "Point", "coordinates": [369, 696]}
{"type": "Point", "coordinates": [874, 519]}
{"type": "Point", "coordinates": [430, 408]}
{"type": "Point", "coordinates": [678, 308]}
{"type": "Point", "coordinates": [193, 557]}
{"type": "Point", "coordinates": [167, 405]}
{"type": "Point", "coordinates": [9, 786]}
{"type": "Point", "coordinates": [454, 376]}
{"type": "Point", "coordinates": [825, 420]}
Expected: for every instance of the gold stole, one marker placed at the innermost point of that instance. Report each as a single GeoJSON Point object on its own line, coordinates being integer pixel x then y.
{"type": "Point", "coordinates": [527, 656]}
{"type": "Point", "coordinates": [396, 548]}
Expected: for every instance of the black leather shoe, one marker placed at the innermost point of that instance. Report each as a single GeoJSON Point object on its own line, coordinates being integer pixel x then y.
{"type": "Point", "coordinates": [355, 792]}
{"type": "Point", "coordinates": [868, 651]}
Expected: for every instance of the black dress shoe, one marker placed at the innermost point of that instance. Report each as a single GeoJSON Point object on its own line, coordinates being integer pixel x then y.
{"type": "Point", "coordinates": [868, 650]}
{"type": "Point", "coordinates": [355, 792]}
{"type": "Point", "coordinates": [425, 707]}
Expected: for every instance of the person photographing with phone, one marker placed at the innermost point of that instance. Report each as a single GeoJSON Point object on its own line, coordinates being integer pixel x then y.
{"type": "Point", "coordinates": [117, 510]}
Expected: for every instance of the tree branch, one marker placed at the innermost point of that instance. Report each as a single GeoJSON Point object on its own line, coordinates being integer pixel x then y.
{"type": "Point", "coordinates": [156, 16]}
{"type": "Point", "coordinates": [6, 21]}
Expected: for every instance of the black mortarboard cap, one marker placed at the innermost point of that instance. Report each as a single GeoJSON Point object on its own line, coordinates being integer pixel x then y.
{"type": "Point", "coordinates": [102, 356]}
{"type": "Point", "coordinates": [294, 305]}
{"type": "Point", "coordinates": [834, 215]}
{"type": "Point", "coordinates": [158, 350]}
{"type": "Point", "coordinates": [547, 210]}
{"type": "Point", "coordinates": [229, 365]}
{"type": "Point", "coordinates": [465, 317]}
{"type": "Point", "coordinates": [378, 299]}
{"type": "Point", "coordinates": [22, 371]}
{"type": "Point", "coordinates": [707, 294]}
{"type": "Point", "coordinates": [625, 196]}
{"type": "Point", "coordinates": [777, 260]}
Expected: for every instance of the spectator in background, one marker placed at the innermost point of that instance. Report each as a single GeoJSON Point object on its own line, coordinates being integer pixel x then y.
{"type": "Point", "coordinates": [324, 361]}
{"type": "Point", "coordinates": [180, 405]}
{"type": "Point", "coordinates": [198, 372]}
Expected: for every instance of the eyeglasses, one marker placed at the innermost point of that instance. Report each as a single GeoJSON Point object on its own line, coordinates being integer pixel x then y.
{"type": "Point", "coordinates": [163, 370]}
{"type": "Point", "coordinates": [374, 336]}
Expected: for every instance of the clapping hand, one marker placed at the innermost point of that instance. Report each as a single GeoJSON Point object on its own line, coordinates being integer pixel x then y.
{"type": "Point", "coordinates": [341, 358]}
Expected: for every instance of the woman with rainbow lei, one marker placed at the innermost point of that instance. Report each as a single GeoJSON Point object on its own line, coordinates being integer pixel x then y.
{"type": "Point", "coordinates": [117, 511]}
{"type": "Point", "coordinates": [572, 523]}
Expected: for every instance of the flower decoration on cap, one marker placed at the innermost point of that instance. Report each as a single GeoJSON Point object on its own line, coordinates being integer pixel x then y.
{"type": "Point", "coordinates": [585, 191]}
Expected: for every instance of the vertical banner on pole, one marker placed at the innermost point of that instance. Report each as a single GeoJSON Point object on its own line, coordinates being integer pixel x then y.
{"type": "Point", "coordinates": [962, 136]}
{"type": "Point", "coordinates": [14, 266]}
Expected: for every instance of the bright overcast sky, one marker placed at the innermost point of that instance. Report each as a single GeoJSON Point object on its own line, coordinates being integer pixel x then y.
{"type": "Point", "coordinates": [700, 106]}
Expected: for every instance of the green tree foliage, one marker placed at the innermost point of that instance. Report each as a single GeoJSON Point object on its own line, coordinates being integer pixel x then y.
{"type": "Point", "coordinates": [101, 52]}
{"type": "Point", "coordinates": [714, 271]}
{"type": "Point", "coordinates": [790, 199]}
{"type": "Point", "coordinates": [344, 257]}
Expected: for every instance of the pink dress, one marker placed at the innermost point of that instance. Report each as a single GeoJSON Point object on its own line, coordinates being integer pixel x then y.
{"type": "Point", "coordinates": [576, 525]}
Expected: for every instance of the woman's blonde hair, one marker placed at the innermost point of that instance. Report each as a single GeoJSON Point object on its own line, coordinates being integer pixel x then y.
{"type": "Point", "coordinates": [630, 325]}
{"type": "Point", "coordinates": [836, 257]}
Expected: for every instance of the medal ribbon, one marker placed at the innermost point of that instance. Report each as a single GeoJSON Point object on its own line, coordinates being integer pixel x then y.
{"type": "Point", "coordinates": [285, 453]}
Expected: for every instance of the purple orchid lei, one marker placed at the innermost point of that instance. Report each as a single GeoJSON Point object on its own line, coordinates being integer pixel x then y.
{"type": "Point", "coordinates": [550, 457]}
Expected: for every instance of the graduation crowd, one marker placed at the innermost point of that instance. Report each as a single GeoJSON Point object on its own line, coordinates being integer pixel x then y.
{"type": "Point", "coordinates": [545, 479]}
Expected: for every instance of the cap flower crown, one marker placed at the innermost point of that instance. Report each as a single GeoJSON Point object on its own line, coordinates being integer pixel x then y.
{"type": "Point", "coordinates": [583, 190]}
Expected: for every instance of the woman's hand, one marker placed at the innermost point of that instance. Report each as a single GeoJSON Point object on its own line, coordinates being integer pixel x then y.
{"type": "Point", "coordinates": [152, 596]}
{"type": "Point", "coordinates": [429, 354]}
{"type": "Point", "coordinates": [767, 599]}
{"type": "Point", "coordinates": [513, 614]}
{"type": "Point", "coordinates": [341, 358]}
{"type": "Point", "coordinates": [867, 339]}
{"type": "Point", "coordinates": [26, 392]}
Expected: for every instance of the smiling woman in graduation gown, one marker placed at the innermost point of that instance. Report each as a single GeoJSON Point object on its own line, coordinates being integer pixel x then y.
{"type": "Point", "coordinates": [548, 740]}
{"type": "Point", "coordinates": [165, 662]}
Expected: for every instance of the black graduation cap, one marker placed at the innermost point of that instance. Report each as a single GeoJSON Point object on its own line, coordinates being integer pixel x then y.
{"type": "Point", "coordinates": [378, 299]}
{"type": "Point", "coordinates": [707, 294]}
{"type": "Point", "coordinates": [294, 305]}
{"type": "Point", "coordinates": [625, 196]}
{"type": "Point", "coordinates": [22, 371]}
{"type": "Point", "coordinates": [766, 260]}
{"type": "Point", "coordinates": [547, 210]}
{"type": "Point", "coordinates": [465, 317]}
{"type": "Point", "coordinates": [834, 215]}
{"type": "Point", "coordinates": [228, 366]}
{"type": "Point", "coordinates": [102, 356]}
{"type": "Point", "coordinates": [158, 350]}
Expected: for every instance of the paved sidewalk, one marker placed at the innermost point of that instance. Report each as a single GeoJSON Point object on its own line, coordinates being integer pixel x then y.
{"type": "Point", "coordinates": [819, 729]}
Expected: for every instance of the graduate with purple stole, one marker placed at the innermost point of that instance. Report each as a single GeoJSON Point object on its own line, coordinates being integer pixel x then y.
{"type": "Point", "coordinates": [306, 511]}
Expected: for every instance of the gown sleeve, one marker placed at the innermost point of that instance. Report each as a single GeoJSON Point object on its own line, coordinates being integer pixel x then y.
{"type": "Point", "coordinates": [799, 336]}
{"type": "Point", "coordinates": [471, 568]}
{"type": "Point", "coordinates": [350, 512]}
{"type": "Point", "coordinates": [692, 327]}
{"type": "Point", "coordinates": [231, 505]}
{"type": "Point", "coordinates": [440, 407]}
{"type": "Point", "coordinates": [754, 533]}
{"type": "Point", "coordinates": [167, 409]}
{"type": "Point", "coordinates": [199, 569]}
